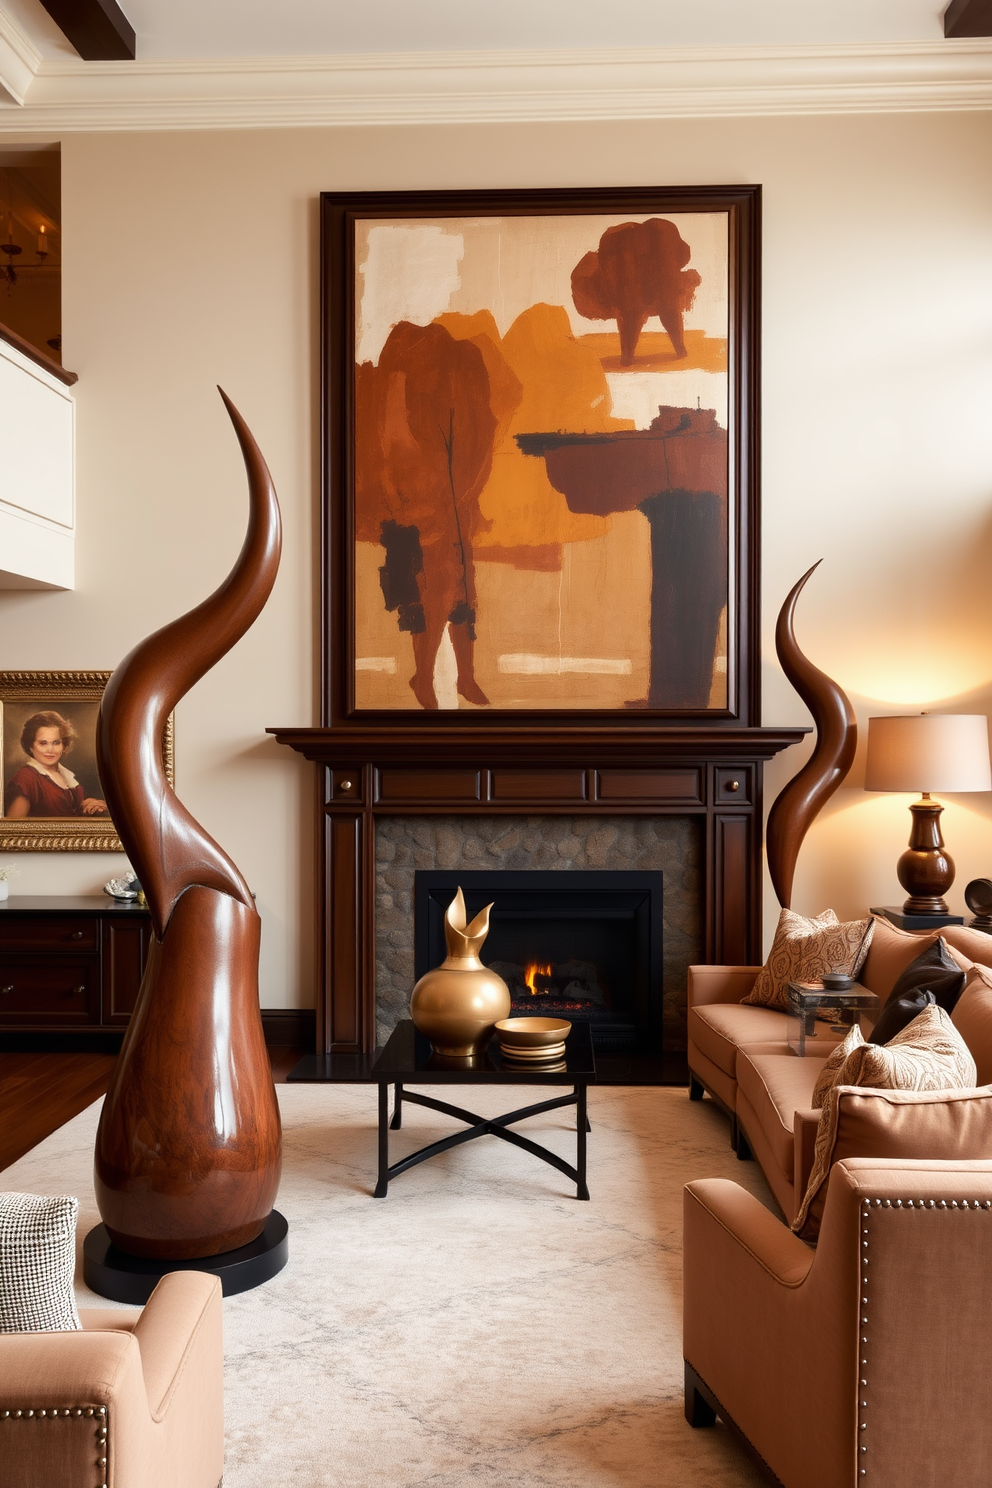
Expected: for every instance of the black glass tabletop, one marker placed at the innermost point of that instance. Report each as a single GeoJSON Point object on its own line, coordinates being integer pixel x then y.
{"type": "Point", "coordinates": [408, 1056]}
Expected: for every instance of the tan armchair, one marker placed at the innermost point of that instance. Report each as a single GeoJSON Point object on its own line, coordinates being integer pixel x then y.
{"type": "Point", "coordinates": [134, 1400]}
{"type": "Point", "coordinates": [865, 1362]}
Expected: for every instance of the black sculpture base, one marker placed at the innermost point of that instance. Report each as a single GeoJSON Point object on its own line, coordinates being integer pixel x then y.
{"type": "Point", "coordinates": [126, 1278]}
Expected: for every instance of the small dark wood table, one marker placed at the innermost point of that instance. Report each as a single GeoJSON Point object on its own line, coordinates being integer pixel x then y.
{"type": "Point", "coordinates": [409, 1059]}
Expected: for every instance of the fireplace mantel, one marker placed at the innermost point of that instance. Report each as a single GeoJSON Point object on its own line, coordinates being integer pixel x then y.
{"type": "Point", "coordinates": [366, 772]}
{"type": "Point", "coordinates": [543, 744]}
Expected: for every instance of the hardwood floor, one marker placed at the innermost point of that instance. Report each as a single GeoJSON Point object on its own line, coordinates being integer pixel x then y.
{"type": "Point", "coordinates": [39, 1092]}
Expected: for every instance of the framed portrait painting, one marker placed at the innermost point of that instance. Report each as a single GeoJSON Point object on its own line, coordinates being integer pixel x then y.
{"type": "Point", "coordinates": [53, 797]}
{"type": "Point", "coordinates": [540, 477]}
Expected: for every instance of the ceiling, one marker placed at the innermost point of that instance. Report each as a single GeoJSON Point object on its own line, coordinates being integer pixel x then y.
{"type": "Point", "coordinates": [214, 29]}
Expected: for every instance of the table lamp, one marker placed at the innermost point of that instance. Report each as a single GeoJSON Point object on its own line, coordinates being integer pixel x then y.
{"type": "Point", "coordinates": [927, 752]}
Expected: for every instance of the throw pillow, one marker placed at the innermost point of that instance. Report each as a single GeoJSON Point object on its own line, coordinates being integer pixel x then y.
{"type": "Point", "coordinates": [833, 1062]}
{"type": "Point", "coordinates": [927, 1055]}
{"type": "Point", "coordinates": [932, 1125]}
{"type": "Point", "coordinates": [898, 1013]}
{"type": "Point", "coordinates": [972, 1017]}
{"type": "Point", "coordinates": [803, 950]}
{"type": "Point", "coordinates": [890, 953]}
{"type": "Point", "coordinates": [937, 971]}
{"type": "Point", "coordinates": [37, 1262]}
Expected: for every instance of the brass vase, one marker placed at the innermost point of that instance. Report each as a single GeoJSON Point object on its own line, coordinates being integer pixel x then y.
{"type": "Point", "coordinates": [458, 1003]}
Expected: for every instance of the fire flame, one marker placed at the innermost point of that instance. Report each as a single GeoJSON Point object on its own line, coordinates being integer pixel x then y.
{"type": "Point", "coordinates": [532, 971]}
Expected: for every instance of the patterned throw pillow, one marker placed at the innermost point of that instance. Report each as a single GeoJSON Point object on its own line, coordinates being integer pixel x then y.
{"type": "Point", "coordinates": [833, 1062]}
{"type": "Point", "coordinates": [804, 949]}
{"type": "Point", "coordinates": [37, 1263]}
{"type": "Point", "coordinates": [929, 1054]}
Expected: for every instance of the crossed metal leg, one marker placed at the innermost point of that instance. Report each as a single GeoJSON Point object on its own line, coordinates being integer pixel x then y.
{"type": "Point", "coordinates": [479, 1126]}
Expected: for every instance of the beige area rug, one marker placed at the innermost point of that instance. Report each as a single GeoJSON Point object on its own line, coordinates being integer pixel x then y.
{"type": "Point", "coordinates": [480, 1326]}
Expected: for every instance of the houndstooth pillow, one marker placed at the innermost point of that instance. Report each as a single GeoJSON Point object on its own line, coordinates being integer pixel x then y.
{"type": "Point", "coordinates": [37, 1263]}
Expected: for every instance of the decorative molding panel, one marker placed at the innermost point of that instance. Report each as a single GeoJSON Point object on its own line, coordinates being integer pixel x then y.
{"type": "Point", "coordinates": [503, 87]}
{"type": "Point", "coordinates": [19, 61]}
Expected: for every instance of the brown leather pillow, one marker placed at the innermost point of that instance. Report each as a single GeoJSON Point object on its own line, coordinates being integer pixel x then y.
{"type": "Point", "coordinates": [899, 1012]}
{"type": "Point", "coordinates": [937, 971]}
{"type": "Point", "coordinates": [891, 951]}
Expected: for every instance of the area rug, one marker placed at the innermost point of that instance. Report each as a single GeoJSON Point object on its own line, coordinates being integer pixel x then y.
{"type": "Point", "coordinates": [480, 1325]}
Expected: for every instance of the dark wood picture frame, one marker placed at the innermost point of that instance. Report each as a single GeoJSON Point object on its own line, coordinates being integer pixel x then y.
{"type": "Point", "coordinates": [339, 214]}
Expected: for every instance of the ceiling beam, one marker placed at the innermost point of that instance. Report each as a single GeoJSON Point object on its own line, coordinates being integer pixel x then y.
{"type": "Point", "coordinates": [98, 29]}
{"type": "Point", "coordinates": [968, 18]}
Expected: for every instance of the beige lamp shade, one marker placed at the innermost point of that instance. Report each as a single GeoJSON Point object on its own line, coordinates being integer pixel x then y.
{"type": "Point", "coordinates": [929, 752]}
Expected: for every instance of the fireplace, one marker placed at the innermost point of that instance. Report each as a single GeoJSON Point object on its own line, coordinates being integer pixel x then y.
{"type": "Point", "coordinates": [581, 945]}
{"type": "Point", "coordinates": [388, 793]}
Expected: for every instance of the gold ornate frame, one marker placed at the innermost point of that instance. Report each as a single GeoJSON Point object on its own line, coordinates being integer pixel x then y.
{"type": "Point", "coordinates": [64, 834]}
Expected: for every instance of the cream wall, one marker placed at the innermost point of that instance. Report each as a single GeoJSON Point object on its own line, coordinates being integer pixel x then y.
{"type": "Point", "coordinates": [191, 259]}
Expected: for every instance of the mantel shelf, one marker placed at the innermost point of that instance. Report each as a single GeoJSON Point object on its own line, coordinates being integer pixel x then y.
{"type": "Point", "coordinates": [537, 744]}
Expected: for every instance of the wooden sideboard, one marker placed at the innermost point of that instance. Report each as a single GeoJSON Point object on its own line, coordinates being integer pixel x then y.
{"type": "Point", "coordinates": [70, 964]}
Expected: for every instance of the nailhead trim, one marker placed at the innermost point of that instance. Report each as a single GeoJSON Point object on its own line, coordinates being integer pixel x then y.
{"type": "Point", "coordinates": [101, 1422]}
{"type": "Point", "coordinates": [866, 1207]}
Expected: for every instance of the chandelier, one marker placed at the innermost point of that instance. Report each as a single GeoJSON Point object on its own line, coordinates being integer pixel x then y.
{"type": "Point", "coordinates": [13, 250]}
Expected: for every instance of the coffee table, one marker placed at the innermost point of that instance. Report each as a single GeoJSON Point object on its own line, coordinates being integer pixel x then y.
{"type": "Point", "coordinates": [408, 1059]}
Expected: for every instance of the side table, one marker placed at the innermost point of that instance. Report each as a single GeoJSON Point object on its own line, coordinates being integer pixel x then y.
{"type": "Point", "coordinates": [408, 1058]}
{"type": "Point", "coordinates": [809, 1000]}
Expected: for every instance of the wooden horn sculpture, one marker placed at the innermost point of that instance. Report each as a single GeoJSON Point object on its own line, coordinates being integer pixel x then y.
{"type": "Point", "coordinates": [797, 804]}
{"type": "Point", "coordinates": [188, 1151]}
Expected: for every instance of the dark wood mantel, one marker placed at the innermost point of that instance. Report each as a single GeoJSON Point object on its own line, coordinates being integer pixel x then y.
{"type": "Point", "coordinates": [365, 772]}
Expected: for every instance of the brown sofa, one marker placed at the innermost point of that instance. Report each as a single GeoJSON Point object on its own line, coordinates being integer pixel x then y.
{"type": "Point", "coordinates": [740, 1054]}
{"type": "Point", "coordinates": [134, 1400]}
{"type": "Point", "coordinates": [865, 1361]}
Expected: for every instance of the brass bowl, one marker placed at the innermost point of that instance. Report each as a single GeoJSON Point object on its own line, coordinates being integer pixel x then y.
{"type": "Point", "coordinates": [539, 1055]}
{"type": "Point", "coordinates": [532, 1033]}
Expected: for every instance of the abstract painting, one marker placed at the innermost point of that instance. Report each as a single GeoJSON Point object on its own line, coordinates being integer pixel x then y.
{"type": "Point", "coordinates": [541, 489]}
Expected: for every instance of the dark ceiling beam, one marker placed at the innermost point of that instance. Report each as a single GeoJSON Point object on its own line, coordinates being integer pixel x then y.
{"type": "Point", "coordinates": [968, 18]}
{"type": "Point", "coordinates": [98, 29]}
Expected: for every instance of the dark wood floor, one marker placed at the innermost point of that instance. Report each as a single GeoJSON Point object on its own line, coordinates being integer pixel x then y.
{"type": "Point", "coordinates": [39, 1092]}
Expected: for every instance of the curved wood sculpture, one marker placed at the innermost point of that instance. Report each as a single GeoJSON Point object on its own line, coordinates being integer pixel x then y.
{"type": "Point", "coordinates": [188, 1151]}
{"type": "Point", "coordinates": [797, 804]}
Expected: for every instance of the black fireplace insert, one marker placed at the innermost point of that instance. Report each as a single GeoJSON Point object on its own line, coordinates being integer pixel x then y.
{"type": "Point", "coordinates": [573, 943]}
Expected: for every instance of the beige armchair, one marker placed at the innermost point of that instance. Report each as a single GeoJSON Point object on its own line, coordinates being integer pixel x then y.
{"type": "Point", "coordinates": [134, 1400]}
{"type": "Point", "coordinates": [865, 1362]}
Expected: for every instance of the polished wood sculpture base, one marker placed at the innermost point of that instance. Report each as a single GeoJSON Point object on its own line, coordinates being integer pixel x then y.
{"type": "Point", "coordinates": [191, 1167]}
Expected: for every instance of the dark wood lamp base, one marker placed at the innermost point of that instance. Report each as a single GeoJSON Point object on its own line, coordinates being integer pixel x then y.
{"type": "Point", "coordinates": [925, 870]}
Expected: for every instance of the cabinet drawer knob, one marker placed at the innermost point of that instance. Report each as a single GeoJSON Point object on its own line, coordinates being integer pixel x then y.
{"type": "Point", "coordinates": [5, 991]}
{"type": "Point", "coordinates": [347, 785]}
{"type": "Point", "coordinates": [76, 935]}
{"type": "Point", "coordinates": [76, 992]}
{"type": "Point", "coordinates": [733, 785]}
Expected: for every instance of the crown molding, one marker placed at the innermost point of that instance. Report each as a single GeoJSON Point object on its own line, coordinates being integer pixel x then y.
{"type": "Point", "coordinates": [19, 62]}
{"type": "Point", "coordinates": [503, 87]}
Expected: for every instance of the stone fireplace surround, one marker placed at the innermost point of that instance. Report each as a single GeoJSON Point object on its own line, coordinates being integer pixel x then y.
{"type": "Point", "coordinates": [405, 845]}
{"type": "Point", "coordinates": [598, 774]}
